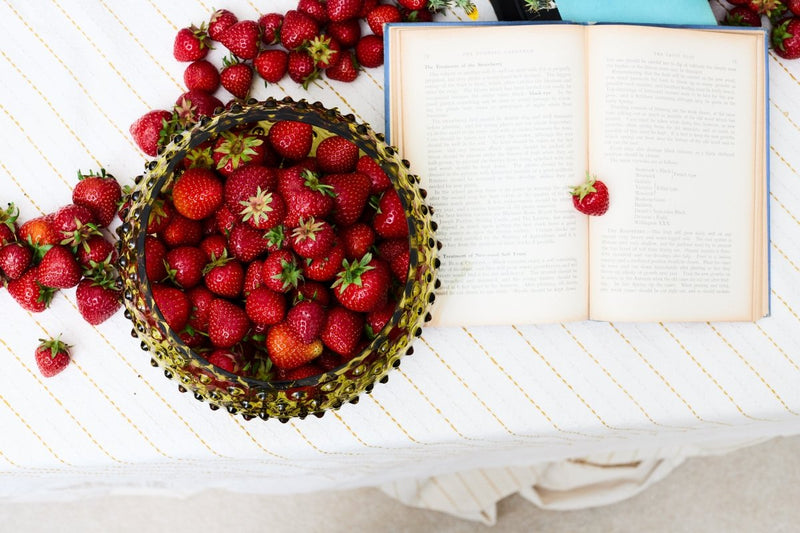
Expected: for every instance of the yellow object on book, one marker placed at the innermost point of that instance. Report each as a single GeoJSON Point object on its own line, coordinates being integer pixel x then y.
{"type": "Point", "coordinates": [500, 120]}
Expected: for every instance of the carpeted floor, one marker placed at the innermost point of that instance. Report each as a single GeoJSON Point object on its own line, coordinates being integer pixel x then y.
{"type": "Point", "coordinates": [751, 490]}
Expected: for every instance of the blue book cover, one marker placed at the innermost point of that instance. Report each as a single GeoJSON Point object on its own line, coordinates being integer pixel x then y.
{"type": "Point", "coordinates": [637, 11]}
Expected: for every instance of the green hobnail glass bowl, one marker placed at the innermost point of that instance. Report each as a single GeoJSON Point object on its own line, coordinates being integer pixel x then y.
{"type": "Point", "coordinates": [279, 399]}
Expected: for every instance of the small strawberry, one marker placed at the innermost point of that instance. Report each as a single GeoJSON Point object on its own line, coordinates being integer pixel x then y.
{"type": "Point", "coordinates": [793, 6]}
{"type": "Point", "coordinates": [226, 360]}
{"type": "Point", "coordinates": [246, 243]}
{"type": "Point", "coordinates": [201, 75]}
{"type": "Point", "coordinates": [236, 77]}
{"type": "Point", "coordinates": [244, 183]}
{"type": "Point", "coordinates": [324, 50]}
{"type": "Point", "coordinates": [155, 254]}
{"type": "Point", "coordinates": [314, 9]}
{"type": "Point", "coordinates": [197, 193]}
{"type": "Point", "coordinates": [95, 249]}
{"type": "Point", "coordinates": [413, 5]}
{"type": "Point", "coordinates": [214, 246]}
{"type": "Point", "coordinates": [221, 20]}
{"type": "Point", "coordinates": [345, 69]}
{"type": "Point", "coordinates": [351, 193]}
{"type": "Point", "coordinates": [225, 220]}
{"type": "Point", "coordinates": [191, 43]}
{"type": "Point", "coordinates": [227, 323]}
{"type": "Point", "coordinates": [100, 193]}
{"type": "Point", "coordinates": [382, 14]}
{"type": "Point", "coordinates": [151, 130]}
{"type": "Point", "coordinates": [390, 219]}
{"type": "Point", "coordinates": [59, 269]}
{"type": "Point", "coordinates": [380, 181]}
{"type": "Point", "coordinates": [200, 299]}
{"type": "Point", "coordinates": [369, 51]}
{"type": "Point", "coordinates": [377, 319]}
{"type": "Point", "coordinates": [313, 199]}
{"type": "Point", "coordinates": [339, 10]}
{"type": "Point", "coordinates": [311, 290]}
{"type": "Point", "coordinates": [301, 68]}
{"type": "Point", "coordinates": [280, 271]}
{"type": "Point", "coordinates": [181, 231]}
{"type": "Point", "coordinates": [265, 306]}
{"type": "Point", "coordinates": [224, 277]}
{"type": "Point", "coordinates": [347, 33]}
{"type": "Point", "coordinates": [15, 258]}
{"type": "Point", "coordinates": [786, 38]}
{"type": "Point", "coordinates": [241, 39]}
{"type": "Point", "coordinates": [160, 215]}
{"type": "Point", "coordinates": [312, 238]}
{"type": "Point", "coordinates": [342, 331]}
{"type": "Point", "coordinates": [270, 25]}
{"type": "Point", "coordinates": [291, 139]}
{"type": "Point", "coordinates": [742, 16]}
{"type": "Point", "coordinates": [233, 150]}
{"type": "Point", "coordinates": [52, 356]}
{"type": "Point", "coordinates": [590, 197]}
{"type": "Point", "coordinates": [287, 351]}
{"type": "Point", "coordinates": [306, 320]}
{"type": "Point", "coordinates": [185, 265]}
{"type": "Point", "coordinates": [39, 233]}
{"type": "Point", "coordinates": [8, 224]}
{"type": "Point", "coordinates": [325, 268]}
{"type": "Point", "coordinates": [74, 224]}
{"type": "Point", "coordinates": [357, 239]}
{"type": "Point", "coordinates": [297, 29]}
{"type": "Point", "coordinates": [272, 65]}
{"type": "Point", "coordinates": [362, 285]}
{"type": "Point", "coordinates": [173, 304]}
{"type": "Point", "coordinates": [264, 210]}
{"type": "Point", "coordinates": [252, 277]}
{"type": "Point", "coordinates": [337, 155]}
{"type": "Point", "coordinates": [97, 299]}
{"type": "Point", "coordinates": [193, 104]}
{"type": "Point", "coordinates": [29, 293]}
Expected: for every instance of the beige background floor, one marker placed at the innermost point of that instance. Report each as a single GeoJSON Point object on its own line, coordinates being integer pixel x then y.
{"type": "Point", "coordinates": [752, 490]}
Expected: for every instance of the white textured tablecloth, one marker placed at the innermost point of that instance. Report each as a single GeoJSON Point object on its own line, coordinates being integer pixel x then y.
{"type": "Point", "coordinates": [474, 407]}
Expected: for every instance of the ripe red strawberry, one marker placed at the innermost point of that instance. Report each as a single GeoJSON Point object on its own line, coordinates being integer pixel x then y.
{"type": "Point", "coordinates": [270, 24]}
{"type": "Point", "coordinates": [291, 139]}
{"type": "Point", "coordinates": [74, 224]}
{"type": "Point", "coordinates": [301, 68]}
{"type": "Point", "coordinates": [151, 131]}
{"type": "Point", "coordinates": [8, 224]}
{"type": "Point", "coordinates": [214, 246]}
{"type": "Point", "coordinates": [95, 249]}
{"type": "Point", "coordinates": [224, 277]}
{"type": "Point", "coordinates": [52, 356]}
{"type": "Point", "coordinates": [252, 277]}
{"type": "Point", "coordinates": [15, 258]}
{"type": "Point", "coordinates": [29, 293]}
{"type": "Point", "coordinates": [793, 6]}
{"type": "Point", "coordinates": [287, 351]}
{"type": "Point", "coordinates": [345, 69]}
{"type": "Point", "coordinates": [339, 10]}
{"type": "Point", "coordinates": [245, 182]}
{"type": "Point", "coordinates": [311, 290]}
{"type": "Point", "coordinates": [786, 38]}
{"type": "Point", "coordinates": [770, 8]}
{"type": "Point", "coordinates": [185, 265]}
{"type": "Point", "coordinates": [191, 43]}
{"type": "Point", "coordinates": [337, 155]}
{"type": "Point", "coordinates": [100, 193]}
{"type": "Point", "coordinates": [351, 192]}
{"type": "Point", "coordinates": [342, 330]}
{"type": "Point", "coordinates": [366, 7]}
{"type": "Point", "coordinates": [306, 320]}
{"type": "Point", "coordinates": [314, 9]}
{"type": "Point", "coordinates": [197, 193]}
{"type": "Point", "coordinates": [312, 238]}
{"type": "Point", "coordinates": [226, 360]}
{"type": "Point", "coordinates": [417, 15]}
{"type": "Point", "coordinates": [390, 219]}
{"type": "Point", "coordinates": [380, 181]}
{"type": "Point", "coordinates": [264, 210]}
{"type": "Point", "coordinates": [382, 14]}
{"type": "Point", "coordinates": [193, 104]}
{"type": "Point", "coordinates": [39, 232]}
{"type": "Point", "coordinates": [201, 76]}
{"type": "Point", "coordinates": [160, 215]}
{"type": "Point", "coordinates": [236, 77]}
{"type": "Point", "coordinates": [155, 254]}
{"type": "Point", "coordinates": [413, 5]}
{"type": "Point", "coordinates": [225, 220]}
{"type": "Point", "coordinates": [174, 305]}
{"type": "Point", "coordinates": [302, 372]}
{"type": "Point", "coordinates": [742, 16]}
{"type": "Point", "coordinates": [221, 20]}
{"type": "Point", "coordinates": [233, 150]}
{"type": "Point", "coordinates": [97, 299]}
{"type": "Point", "coordinates": [369, 51]}
{"type": "Point", "coordinates": [357, 239]}
{"type": "Point", "coordinates": [590, 197]}
{"type": "Point", "coordinates": [246, 243]}
{"type": "Point", "coordinates": [271, 65]}
{"type": "Point", "coordinates": [377, 319]}
{"type": "Point", "coordinates": [324, 50]}
{"type": "Point", "coordinates": [59, 269]}
{"type": "Point", "coordinates": [347, 33]}
{"type": "Point", "coordinates": [181, 231]}
{"type": "Point", "coordinates": [200, 299]}
{"type": "Point", "coordinates": [277, 239]}
{"type": "Point", "coordinates": [227, 323]}
{"type": "Point", "coordinates": [280, 271]}
{"type": "Point", "coordinates": [265, 306]}
{"type": "Point", "coordinates": [242, 39]}
{"type": "Point", "coordinates": [297, 29]}
{"type": "Point", "coordinates": [362, 285]}
{"type": "Point", "coordinates": [325, 268]}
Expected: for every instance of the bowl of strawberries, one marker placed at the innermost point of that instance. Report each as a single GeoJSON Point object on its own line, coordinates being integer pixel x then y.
{"type": "Point", "coordinates": [277, 259]}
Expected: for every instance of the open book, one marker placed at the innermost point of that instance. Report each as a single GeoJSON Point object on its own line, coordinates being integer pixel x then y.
{"type": "Point", "coordinates": [499, 120]}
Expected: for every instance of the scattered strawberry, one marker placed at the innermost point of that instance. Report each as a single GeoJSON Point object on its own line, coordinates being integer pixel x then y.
{"type": "Point", "coordinates": [342, 330]}
{"type": "Point", "coordinates": [97, 299]}
{"type": "Point", "coordinates": [369, 51]}
{"type": "Point", "coordinates": [8, 224]}
{"type": "Point", "coordinates": [314, 9]}
{"type": "Point", "coordinates": [413, 5]}
{"type": "Point", "coordinates": [173, 304]}
{"type": "Point", "coordinates": [382, 14]}
{"type": "Point", "coordinates": [236, 77]}
{"type": "Point", "coordinates": [590, 197]}
{"type": "Point", "coordinates": [297, 29]}
{"type": "Point", "coordinates": [241, 39]}
{"type": "Point", "coordinates": [193, 104]}
{"type": "Point", "coordinates": [221, 20]}
{"type": "Point", "coordinates": [227, 323]}
{"type": "Point", "coordinates": [191, 44]}
{"type": "Point", "coordinates": [339, 10]}
{"type": "Point", "coordinates": [74, 224]}
{"type": "Point", "coordinates": [390, 219]}
{"type": "Point", "coordinates": [39, 233]}
{"type": "Point", "coordinates": [272, 65]}
{"type": "Point", "coordinates": [324, 50]}
{"type": "Point", "coordinates": [100, 193]}
{"type": "Point", "coordinates": [151, 131]}
{"type": "Point", "coordinates": [95, 249]}
{"type": "Point", "coordinates": [197, 193]}
{"type": "Point", "coordinates": [201, 75]}
{"type": "Point", "coordinates": [15, 258]}
{"type": "Point", "coordinates": [362, 285]}
{"type": "Point", "coordinates": [270, 25]}
{"type": "Point", "coordinates": [742, 16]}
{"type": "Point", "coordinates": [52, 356]}
{"type": "Point", "coordinates": [59, 269]}
{"type": "Point", "coordinates": [345, 69]}
{"type": "Point", "coordinates": [29, 293]}
{"type": "Point", "coordinates": [786, 38]}
{"type": "Point", "coordinates": [347, 33]}
{"type": "Point", "coordinates": [265, 306]}
{"type": "Point", "coordinates": [770, 8]}
{"type": "Point", "coordinates": [301, 68]}
{"type": "Point", "coordinates": [306, 320]}
{"type": "Point", "coordinates": [287, 351]}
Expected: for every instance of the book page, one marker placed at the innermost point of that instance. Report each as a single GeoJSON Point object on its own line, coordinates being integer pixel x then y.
{"type": "Point", "coordinates": [673, 134]}
{"type": "Point", "coordinates": [492, 118]}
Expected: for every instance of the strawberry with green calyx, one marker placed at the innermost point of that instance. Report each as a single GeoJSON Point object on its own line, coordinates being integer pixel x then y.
{"type": "Point", "coordinates": [152, 130]}
{"type": "Point", "coordinates": [39, 233]}
{"type": "Point", "coordinates": [312, 238]}
{"type": "Point", "coordinates": [52, 356]}
{"type": "Point", "coordinates": [742, 16]}
{"type": "Point", "coordinates": [296, 29]}
{"type": "Point", "coordinates": [280, 271]}
{"type": "Point", "coordinates": [270, 25]}
{"type": "Point", "coordinates": [220, 20]}
{"type": "Point", "coordinates": [227, 323]}
{"type": "Point", "coordinates": [276, 238]}
{"type": "Point", "coordinates": [8, 224]}
{"type": "Point", "coordinates": [224, 276]}
{"type": "Point", "coordinates": [197, 193]}
{"type": "Point", "coordinates": [199, 156]}
{"type": "Point", "coordinates": [272, 65]}
{"type": "Point", "coordinates": [345, 69]}
{"type": "Point", "coordinates": [362, 285]}
{"type": "Point", "coordinates": [264, 210]}
{"type": "Point", "coordinates": [74, 223]}
{"type": "Point", "coordinates": [312, 199]}
{"type": "Point", "coordinates": [390, 218]}
{"type": "Point", "coordinates": [590, 197]}
{"type": "Point", "coordinates": [29, 293]}
{"type": "Point", "coordinates": [160, 215]}
{"type": "Point", "coordinates": [201, 75]}
{"type": "Point", "coordinates": [241, 38]}
{"type": "Point", "coordinates": [324, 50]}
{"type": "Point", "coordinates": [96, 248]}
{"type": "Point", "coordinates": [259, 367]}
{"type": "Point", "coordinates": [15, 258]}
{"type": "Point", "coordinates": [245, 182]}
{"type": "Point", "coordinates": [301, 68]}
{"type": "Point", "coordinates": [59, 269]}
{"type": "Point", "coordinates": [98, 298]}
{"type": "Point", "coordinates": [786, 38]}
{"type": "Point", "coordinates": [191, 43]}
{"type": "Point", "coordinates": [771, 8]}
{"type": "Point", "coordinates": [350, 196]}
{"type": "Point", "coordinates": [325, 268]}
{"type": "Point", "coordinates": [185, 265]}
{"type": "Point", "coordinates": [214, 246]}
{"type": "Point", "coordinates": [100, 193]}
{"type": "Point", "coordinates": [234, 150]}
{"type": "Point", "coordinates": [313, 291]}
{"type": "Point", "coordinates": [193, 104]}
{"type": "Point", "coordinates": [236, 77]}
{"type": "Point", "coordinates": [342, 331]}
{"type": "Point", "coordinates": [287, 351]}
